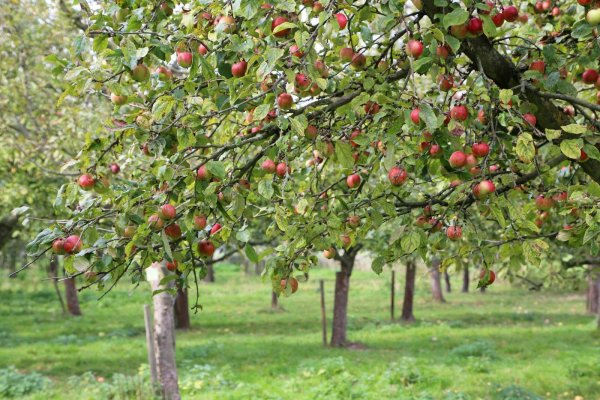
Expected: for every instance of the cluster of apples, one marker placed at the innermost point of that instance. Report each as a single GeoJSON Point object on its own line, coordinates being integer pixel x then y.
{"type": "Point", "coordinates": [545, 204]}
{"type": "Point", "coordinates": [70, 245]}
{"type": "Point", "coordinates": [280, 169]}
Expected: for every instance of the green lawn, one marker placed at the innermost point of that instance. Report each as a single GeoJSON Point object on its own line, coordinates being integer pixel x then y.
{"type": "Point", "coordinates": [506, 344]}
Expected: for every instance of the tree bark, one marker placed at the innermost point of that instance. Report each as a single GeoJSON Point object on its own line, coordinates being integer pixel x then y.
{"type": "Point", "coordinates": [164, 331]}
{"type": "Point", "coordinates": [274, 301]}
{"type": "Point", "coordinates": [182, 309]}
{"type": "Point", "coordinates": [7, 226]}
{"type": "Point", "coordinates": [465, 286]}
{"type": "Point", "coordinates": [592, 292]}
{"type": "Point", "coordinates": [53, 275]}
{"type": "Point", "coordinates": [482, 290]}
{"type": "Point", "coordinates": [436, 284]}
{"type": "Point", "coordinates": [409, 292]}
{"type": "Point", "coordinates": [447, 280]}
{"type": "Point", "coordinates": [210, 273]}
{"type": "Point", "coordinates": [598, 300]}
{"type": "Point", "coordinates": [71, 296]}
{"type": "Point", "coordinates": [340, 301]}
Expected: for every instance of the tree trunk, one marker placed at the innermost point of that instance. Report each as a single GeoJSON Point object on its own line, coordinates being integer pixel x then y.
{"type": "Point", "coordinates": [164, 331]}
{"type": "Point", "coordinates": [482, 289]}
{"type": "Point", "coordinates": [340, 301]}
{"type": "Point", "coordinates": [52, 274]}
{"type": "Point", "coordinates": [182, 309]}
{"type": "Point", "coordinates": [598, 298]}
{"type": "Point", "coordinates": [71, 296]}
{"type": "Point", "coordinates": [436, 284]}
{"type": "Point", "coordinates": [447, 279]}
{"type": "Point", "coordinates": [274, 301]}
{"type": "Point", "coordinates": [465, 287]}
{"type": "Point", "coordinates": [210, 273]}
{"type": "Point", "coordinates": [409, 292]}
{"type": "Point", "coordinates": [592, 292]}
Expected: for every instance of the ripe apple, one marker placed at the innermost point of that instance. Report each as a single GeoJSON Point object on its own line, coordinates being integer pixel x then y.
{"type": "Point", "coordinates": [584, 2]}
{"type": "Point", "coordinates": [415, 116]}
{"type": "Point", "coordinates": [118, 100]}
{"type": "Point", "coordinates": [459, 113]}
{"type": "Point", "coordinates": [483, 189]}
{"type": "Point", "coordinates": [215, 228]}
{"type": "Point", "coordinates": [226, 23]}
{"type": "Point", "coordinates": [321, 68]}
{"type": "Point", "coordinates": [317, 7]}
{"type": "Point", "coordinates": [295, 51]}
{"type": "Point", "coordinates": [435, 150]}
{"type": "Point", "coordinates": [184, 59]}
{"type": "Point", "coordinates": [397, 176]}
{"type": "Point", "coordinates": [358, 61]}
{"type": "Point", "coordinates": [446, 82]}
{"type": "Point", "coordinates": [172, 266]}
{"type": "Point", "coordinates": [155, 222]}
{"type": "Point", "coordinates": [114, 168]}
{"type": "Point", "coordinates": [555, 12]}
{"type": "Point", "coordinates": [589, 76]}
{"type": "Point", "coordinates": [593, 16]}
{"type": "Point", "coordinates": [470, 161]}
{"type": "Point", "coordinates": [167, 211]}
{"type": "Point", "coordinates": [302, 81]}
{"type": "Point", "coordinates": [200, 222]}
{"type": "Point", "coordinates": [498, 19]}
{"type": "Point", "coordinates": [276, 22]}
{"type": "Point", "coordinates": [353, 181]}
{"type": "Point", "coordinates": [423, 146]}
{"type": "Point", "coordinates": [329, 253]}
{"type": "Point", "coordinates": [530, 118]}
{"type": "Point", "coordinates": [346, 240]}
{"type": "Point", "coordinates": [206, 248]}
{"type": "Point", "coordinates": [459, 31]}
{"type": "Point", "coordinates": [202, 49]}
{"type": "Point", "coordinates": [538, 65]}
{"type": "Point", "coordinates": [544, 203]}
{"type": "Point", "coordinates": [480, 149]}
{"type": "Point", "coordinates": [475, 26]}
{"type": "Point", "coordinates": [371, 107]}
{"type": "Point", "coordinates": [486, 277]}
{"type": "Point", "coordinates": [353, 221]}
{"type": "Point", "coordinates": [164, 74]}
{"type": "Point", "coordinates": [293, 282]}
{"type": "Point", "coordinates": [342, 20]}
{"type": "Point", "coordinates": [140, 73]}
{"type": "Point", "coordinates": [510, 13]}
{"type": "Point", "coordinates": [173, 231]}
{"type": "Point", "coordinates": [72, 244]}
{"type": "Point", "coordinates": [239, 69]}
{"type": "Point", "coordinates": [269, 166]}
{"type": "Point", "coordinates": [443, 51]}
{"type": "Point", "coordinates": [481, 117]}
{"type": "Point", "coordinates": [414, 48]}
{"type": "Point", "coordinates": [203, 174]}
{"type": "Point", "coordinates": [58, 246]}
{"type": "Point", "coordinates": [454, 232]}
{"type": "Point", "coordinates": [458, 159]}
{"type": "Point", "coordinates": [311, 132]}
{"type": "Point", "coordinates": [285, 101]}
{"type": "Point", "coordinates": [86, 182]}
{"type": "Point", "coordinates": [282, 170]}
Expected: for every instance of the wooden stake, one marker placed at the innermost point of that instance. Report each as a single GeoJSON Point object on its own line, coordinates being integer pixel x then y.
{"type": "Point", "coordinates": [150, 344]}
{"type": "Point", "coordinates": [393, 296]}
{"type": "Point", "coordinates": [323, 314]}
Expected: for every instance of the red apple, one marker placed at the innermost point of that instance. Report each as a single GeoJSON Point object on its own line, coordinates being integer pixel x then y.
{"type": "Point", "coordinates": [486, 277]}
{"type": "Point", "coordinates": [86, 182]}
{"type": "Point", "coordinates": [239, 69]}
{"type": "Point", "coordinates": [435, 150]}
{"type": "Point", "coordinates": [371, 107]}
{"type": "Point", "coordinates": [329, 253]}
{"type": "Point", "coordinates": [285, 101]}
{"type": "Point", "coordinates": [173, 231]}
{"type": "Point", "coordinates": [302, 81]}
{"type": "Point", "coordinates": [203, 174]}
{"type": "Point", "coordinates": [118, 100]}
{"type": "Point", "coordinates": [510, 13]}
{"type": "Point", "coordinates": [346, 54]}
{"type": "Point", "coordinates": [155, 222]}
{"type": "Point", "coordinates": [414, 48]}
{"type": "Point", "coordinates": [353, 221]}
{"type": "Point", "coordinates": [358, 61]}
{"type": "Point", "coordinates": [446, 82]}
{"type": "Point", "coordinates": [458, 159]}
{"type": "Point", "coordinates": [58, 246]}
{"type": "Point", "coordinates": [498, 19]}
{"type": "Point", "coordinates": [202, 49]}
{"type": "Point", "coordinates": [483, 189]}
{"type": "Point", "coordinates": [530, 118]}
{"type": "Point", "coordinates": [140, 73]}
{"type": "Point", "coordinates": [397, 176]}
{"type": "Point", "coordinates": [276, 22]}
{"type": "Point", "coordinates": [164, 74]}
{"type": "Point", "coordinates": [353, 181]}
{"type": "Point", "coordinates": [454, 232]}
{"type": "Point", "coordinates": [442, 51]}
{"type": "Point", "coordinates": [215, 228]}
{"type": "Point", "coordinates": [282, 170]}
{"type": "Point", "coordinates": [72, 244]}
{"type": "Point", "coordinates": [167, 211]}
{"type": "Point", "coordinates": [200, 222]}
{"type": "Point", "coordinates": [206, 248]}
{"type": "Point", "coordinates": [342, 20]}
{"type": "Point", "coordinates": [459, 113]}
{"type": "Point", "coordinates": [311, 132]}
{"type": "Point", "coordinates": [589, 76]}
{"type": "Point", "coordinates": [538, 65]}
{"type": "Point", "coordinates": [114, 168]}
{"type": "Point", "coordinates": [480, 149]}
{"type": "Point", "coordinates": [184, 59]}
{"type": "Point", "coordinates": [415, 116]}
{"type": "Point", "coordinates": [172, 266]}
{"type": "Point", "coordinates": [321, 68]}
{"type": "Point", "coordinates": [475, 26]}
{"type": "Point", "coordinates": [269, 166]}
{"type": "Point", "coordinates": [292, 282]}
{"type": "Point", "coordinates": [544, 203]}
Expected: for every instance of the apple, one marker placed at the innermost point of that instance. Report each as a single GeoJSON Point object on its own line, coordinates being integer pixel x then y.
{"type": "Point", "coordinates": [329, 253]}
{"type": "Point", "coordinates": [498, 19]}
{"type": "Point", "coordinates": [470, 160]}
{"type": "Point", "coordinates": [239, 69]}
{"type": "Point", "coordinates": [397, 176]}
{"type": "Point", "coordinates": [269, 166]}
{"type": "Point", "coordinates": [118, 100]}
{"type": "Point", "coordinates": [435, 150]}
{"type": "Point", "coordinates": [530, 118]}
{"type": "Point", "coordinates": [226, 24]}
{"type": "Point", "coordinates": [589, 76]}
{"type": "Point", "coordinates": [436, 224]}
{"type": "Point", "coordinates": [555, 12]}
{"type": "Point", "coordinates": [282, 170]}
{"type": "Point", "coordinates": [583, 156]}
{"type": "Point", "coordinates": [86, 182]}
{"type": "Point", "coordinates": [164, 74]}
{"type": "Point", "coordinates": [371, 107]}
{"type": "Point", "coordinates": [200, 222]}
{"type": "Point", "coordinates": [285, 101]}
{"type": "Point", "coordinates": [215, 228]}
{"type": "Point", "coordinates": [353, 181]}
{"type": "Point", "coordinates": [414, 116]}
{"type": "Point", "coordinates": [173, 231]}
{"type": "Point", "coordinates": [458, 159]}
{"type": "Point", "coordinates": [422, 221]}
{"type": "Point", "coordinates": [155, 222]}
{"type": "Point", "coordinates": [167, 211]}
{"type": "Point", "coordinates": [480, 149]}
{"type": "Point", "coordinates": [346, 240]}
{"type": "Point", "coordinates": [295, 51]}
{"type": "Point", "coordinates": [342, 20]}
{"type": "Point", "coordinates": [538, 65]}
{"type": "Point", "coordinates": [446, 82]}
{"type": "Point", "coordinates": [423, 146]}
{"type": "Point", "coordinates": [483, 189]}
{"type": "Point", "coordinates": [481, 117]}
{"type": "Point", "coordinates": [353, 221]}
{"type": "Point", "coordinates": [317, 7]}
{"type": "Point", "coordinates": [358, 61]}
{"type": "Point", "coordinates": [72, 244]}
{"type": "Point", "coordinates": [184, 59]}
{"type": "Point", "coordinates": [584, 2]}
{"type": "Point", "coordinates": [321, 68]}
{"type": "Point", "coordinates": [276, 22]}
{"type": "Point", "coordinates": [206, 248]}
{"type": "Point", "coordinates": [475, 26]}
{"type": "Point", "coordinates": [544, 203]}
{"type": "Point", "coordinates": [414, 48]}
{"type": "Point", "coordinates": [203, 174]}
{"type": "Point", "coordinates": [454, 232]}
{"type": "Point", "coordinates": [172, 266]}
{"type": "Point", "coordinates": [58, 246]}
{"type": "Point", "coordinates": [510, 13]}
{"type": "Point", "coordinates": [443, 51]}
{"type": "Point", "coordinates": [129, 231]}
{"type": "Point", "coordinates": [459, 113]}
{"type": "Point", "coordinates": [546, 4]}
{"type": "Point", "coordinates": [202, 49]}
{"type": "Point", "coordinates": [293, 283]}
{"type": "Point", "coordinates": [140, 73]}
{"type": "Point", "coordinates": [311, 132]}
{"type": "Point", "coordinates": [302, 81]}
{"type": "Point", "coordinates": [487, 277]}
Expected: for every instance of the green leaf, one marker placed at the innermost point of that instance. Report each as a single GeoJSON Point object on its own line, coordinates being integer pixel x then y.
{"type": "Point", "coordinates": [410, 242]}
{"type": "Point", "coordinates": [251, 253]}
{"type": "Point", "coordinates": [575, 129]}
{"type": "Point", "coordinates": [571, 148]}
{"type": "Point", "coordinates": [591, 151]}
{"type": "Point", "coordinates": [265, 188]}
{"type": "Point", "coordinates": [216, 168]}
{"type": "Point", "coordinates": [261, 112]}
{"type": "Point", "coordinates": [498, 214]}
{"type": "Point", "coordinates": [532, 250]}
{"type": "Point", "coordinates": [489, 28]}
{"type": "Point", "coordinates": [284, 26]}
{"type": "Point", "coordinates": [166, 245]}
{"type": "Point", "coordinates": [456, 17]}
{"type": "Point", "coordinates": [299, 124]}
{"type": "Point", "coordinates": [343, 152]}
{"type": "Point", "coordinates": [552, 134]}
{"type": "Point", "coordinates": [243, 235]}
{"type": "Point", "coordinates": [525, 148]}
{"type": "Point", "coordinates": [428, 116]}
{"type": "Point", "coordinates": [377, 264]}
{"type": "Point", "coordinates": [162, 107]}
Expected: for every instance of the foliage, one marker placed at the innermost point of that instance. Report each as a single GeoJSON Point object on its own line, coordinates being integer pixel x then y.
{"type": "Point", "coordinates": [16, 384]}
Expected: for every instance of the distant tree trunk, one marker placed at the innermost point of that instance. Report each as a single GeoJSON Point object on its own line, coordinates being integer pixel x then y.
{"type": "Point", "coordinates": [52, 274]}
{"type": "Point", "coordinates": [340, 301]}
{"type": "Point", "coordinates": [210, 273]}
{"type": "Point", "coordinates": [259, 266]}
{"type": "Point", "coordinates": [409, 292]}
{"type": "Point", "coordinates": [592, 294]}
{"type": "Point", "coordinates": [447, 279]}
{"type": "Point", "coordinates": [164, 331]}
{"type": "Point", "coordinates": [71, 296]}
{"type": "Point", "coordinates": [7, 225]}
{"type": "Point", "coordinates": [598, 298]}
{"type": "Point", "coordinates": [182, 309]}
{"type": "Point", "coordinates": [436, 284]}
{"type": "Point", "coordinates": [465, 287]}
{"type": "Point", "coordinates": [274, 301]}
{"type": "Point", "coordinates": [482, 289]}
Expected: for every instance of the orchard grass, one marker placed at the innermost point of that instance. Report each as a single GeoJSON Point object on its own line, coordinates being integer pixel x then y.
{"type": "Point", "coordinates": [506, 342]}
